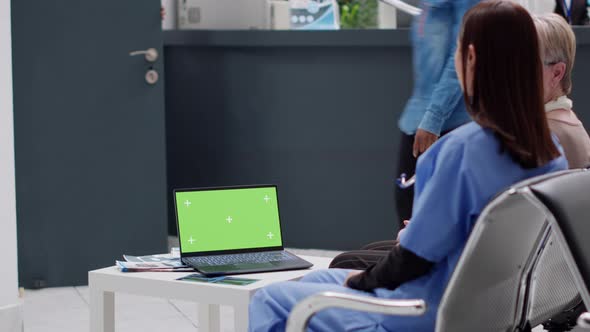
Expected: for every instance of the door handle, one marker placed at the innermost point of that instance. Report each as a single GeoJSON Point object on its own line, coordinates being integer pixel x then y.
{"type": "Point", "coordinates": [151, 54]}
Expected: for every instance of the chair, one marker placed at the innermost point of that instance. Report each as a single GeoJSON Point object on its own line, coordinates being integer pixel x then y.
{"type": "Point", "coordinates": [566, 200]}
{"type": "Point", "coordinates": [553, 299]}
{"type": "Point", "coordinates": [496, 292]}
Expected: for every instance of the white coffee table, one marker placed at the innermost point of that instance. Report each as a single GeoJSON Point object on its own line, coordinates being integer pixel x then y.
{"type": "Point", "coordinates": [104, 283]}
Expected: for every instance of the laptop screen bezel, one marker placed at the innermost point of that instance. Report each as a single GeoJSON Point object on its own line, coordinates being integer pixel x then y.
{"type": "Point", "coordinates": [227, 251]}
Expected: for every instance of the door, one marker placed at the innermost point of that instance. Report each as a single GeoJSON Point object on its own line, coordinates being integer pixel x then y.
{"type": "Point", "coordinates": [89, 136]}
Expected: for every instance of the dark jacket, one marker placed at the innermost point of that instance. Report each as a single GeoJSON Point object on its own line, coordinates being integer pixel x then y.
{"type": "Point", "coordinates": [579, 13]}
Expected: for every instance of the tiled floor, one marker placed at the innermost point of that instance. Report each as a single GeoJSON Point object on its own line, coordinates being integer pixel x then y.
{"type": "Point", "coordinates": [65, 309]}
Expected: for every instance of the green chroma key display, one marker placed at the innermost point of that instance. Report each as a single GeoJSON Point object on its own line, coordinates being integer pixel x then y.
{"type": "Point", "coordinates": [227, 219]}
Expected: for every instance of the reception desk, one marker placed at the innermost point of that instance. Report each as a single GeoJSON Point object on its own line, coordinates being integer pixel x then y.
{"type": "Point", "coordinates": [314, 112]}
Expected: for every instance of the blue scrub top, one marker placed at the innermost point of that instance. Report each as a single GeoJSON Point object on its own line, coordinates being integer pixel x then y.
{"type": "Point", "coordinates": [455, 179]}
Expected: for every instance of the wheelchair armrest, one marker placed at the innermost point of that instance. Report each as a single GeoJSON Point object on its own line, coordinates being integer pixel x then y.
{"type": "Point", "coordinates": [584, 320]}
{"type": "Point", "coordinates": [304, 310]}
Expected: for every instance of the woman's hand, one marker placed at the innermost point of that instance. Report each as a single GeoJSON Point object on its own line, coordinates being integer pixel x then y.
{"type": "Point", "coordinates": [162, 12]}
{"type": "Point", "coordinates": [350, 275]}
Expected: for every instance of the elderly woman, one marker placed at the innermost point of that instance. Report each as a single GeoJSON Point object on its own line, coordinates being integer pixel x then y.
{"type": "Point", "coordinates": [558, 50]}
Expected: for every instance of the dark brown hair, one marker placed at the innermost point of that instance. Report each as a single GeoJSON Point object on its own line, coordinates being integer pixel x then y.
{"type": "Point", "coordinates": [508, 80]}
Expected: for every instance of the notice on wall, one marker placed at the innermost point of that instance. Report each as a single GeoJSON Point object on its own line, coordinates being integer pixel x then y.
{"type": "Point", "coordinates": [314, 15]}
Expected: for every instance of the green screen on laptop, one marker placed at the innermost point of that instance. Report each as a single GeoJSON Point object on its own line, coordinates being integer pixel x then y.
{"type": "Point", "coordinates": [228, 219]}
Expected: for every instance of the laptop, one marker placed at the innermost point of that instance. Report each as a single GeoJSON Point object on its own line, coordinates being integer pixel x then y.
{"type": "Point", "coordinates": [232, 230]}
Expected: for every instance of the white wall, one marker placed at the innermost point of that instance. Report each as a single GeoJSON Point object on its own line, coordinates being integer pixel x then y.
{"type": "Point", "coordinates": [10, 309]}
{"type": "Point", "coordinates": [169, 22]}
{"type": "Point", "coordinates": [538, 6]}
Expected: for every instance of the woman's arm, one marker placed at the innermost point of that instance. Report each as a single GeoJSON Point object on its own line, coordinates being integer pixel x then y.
{"type": "Point", "coordinates": [399, 266]}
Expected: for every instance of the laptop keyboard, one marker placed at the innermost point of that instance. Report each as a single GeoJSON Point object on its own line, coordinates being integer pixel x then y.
{"type": "Point", "coordinates": [246, 258]}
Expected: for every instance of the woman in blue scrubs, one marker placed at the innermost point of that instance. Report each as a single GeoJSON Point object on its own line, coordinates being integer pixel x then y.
{"type": "Point", "coordinates": [499, 67]}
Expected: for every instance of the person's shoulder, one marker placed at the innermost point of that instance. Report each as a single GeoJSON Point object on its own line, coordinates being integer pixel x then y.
{"type": "Point", "coordinates": [560, 163]}
{"type": "Point", "coordinates": [455, 142]}
{"type": "Point", "coordinates": [564, 117]}
{"type": "Point", "coordinates": [465, 134]}
{"type": "Point", "coordinates": [470, 143]}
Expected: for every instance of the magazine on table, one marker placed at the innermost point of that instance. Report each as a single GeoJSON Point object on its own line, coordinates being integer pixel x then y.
{"type": "Point", "coordinates": [160, 258]}
{"type": "Point", "coordinates": [152, 263]}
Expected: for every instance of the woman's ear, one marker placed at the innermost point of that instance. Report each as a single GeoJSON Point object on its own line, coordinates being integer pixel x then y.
{"type": "Point", "coordinates": [557, 73]}
{"type": "Point", "coordinates": [471, 58]}
{"type": "Point", "coordinates": [469, 74]}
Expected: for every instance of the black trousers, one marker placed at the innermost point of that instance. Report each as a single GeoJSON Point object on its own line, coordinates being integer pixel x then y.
{"type": "Point", "coordinates": [362, 259]}
{"type": "Point", "coordinates": [404, 198]}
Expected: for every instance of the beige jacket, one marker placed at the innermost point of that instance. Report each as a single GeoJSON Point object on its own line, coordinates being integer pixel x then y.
{"type": "Point", "coordinates": [570, 131]}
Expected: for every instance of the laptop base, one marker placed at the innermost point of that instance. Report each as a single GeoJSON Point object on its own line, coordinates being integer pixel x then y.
{"type": "Point", "coordinates": [293, 263]}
